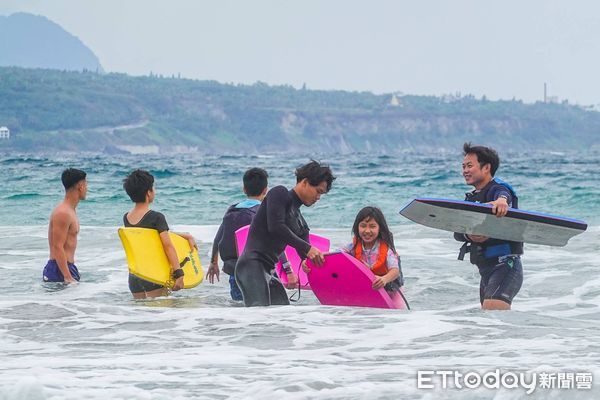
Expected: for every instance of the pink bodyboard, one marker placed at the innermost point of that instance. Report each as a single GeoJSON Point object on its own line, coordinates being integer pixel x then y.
{"type": "Point", "coordinates": [317, 241]}
{"type": "Point", "coordinates": [344, 281]}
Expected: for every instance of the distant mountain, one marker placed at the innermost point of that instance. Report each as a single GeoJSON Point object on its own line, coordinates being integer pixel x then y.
{"type": "Point", "coordinates": [33, 41]}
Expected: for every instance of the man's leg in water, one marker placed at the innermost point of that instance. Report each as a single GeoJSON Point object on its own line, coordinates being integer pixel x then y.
{"type": "Point", "coordinates": [253, 281]}
{"type": "Point", "coordinates": [503, 284]}
{"type": "Point", "coordinates": [277, 293]}
{"type": "Point", "coordinates": [491, 304]}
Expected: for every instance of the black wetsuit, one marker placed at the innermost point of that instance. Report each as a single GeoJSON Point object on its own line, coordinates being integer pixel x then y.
{"type": "Point", "coordinates": [277, 223]}
{"type": "Point", "coordinates": [498, 261]}
{"type": "Point", "coordinates": [151, 220]}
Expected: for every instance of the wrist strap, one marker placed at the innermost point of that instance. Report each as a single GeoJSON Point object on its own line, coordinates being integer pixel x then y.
{"type": "Point", "coordinates": [178, 273]}
{"type": "Point", "coordinates": [287, 267]}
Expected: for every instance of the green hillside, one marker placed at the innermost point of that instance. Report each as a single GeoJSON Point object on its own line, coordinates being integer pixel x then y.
{"type": "Point", "coordinates": [49, 110]}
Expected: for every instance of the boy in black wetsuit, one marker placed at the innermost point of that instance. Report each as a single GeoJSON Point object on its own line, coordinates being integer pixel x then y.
{"type": "Point", "coordinates": [139, 185]}
{"type": "Point", "coordinates": [499, 261]}
{"type": "Point", "coordinates": [237, 216]}
{"type": "Point", "coordinates": [279, 223]}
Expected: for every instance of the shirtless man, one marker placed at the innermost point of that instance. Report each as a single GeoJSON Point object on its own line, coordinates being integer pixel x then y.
{"type": "Point", "coordinates": [63, 230]}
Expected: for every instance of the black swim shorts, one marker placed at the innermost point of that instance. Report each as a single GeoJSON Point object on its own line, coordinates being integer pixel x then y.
{"type": "Point", "coordinates": [501, 281]}
{"type": "Point", "coordinates": [139, 285]}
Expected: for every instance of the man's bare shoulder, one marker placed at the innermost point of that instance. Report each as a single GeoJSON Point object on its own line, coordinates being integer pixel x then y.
{"type": "Point", "coordinates": [63, 213]}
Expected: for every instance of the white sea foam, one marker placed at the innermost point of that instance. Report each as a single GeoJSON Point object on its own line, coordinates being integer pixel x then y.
{"type": "Point", "coordinates": [91, 340]}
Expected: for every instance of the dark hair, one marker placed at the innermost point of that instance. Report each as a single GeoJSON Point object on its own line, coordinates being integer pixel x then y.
{"type": "Point", "coordinates": [384, 232]}
{"type": "Point", "coordinates": [137, 184]}
{"type": "Point", "coordinates": [255, 181]}
{"type": "Point", "coordinates": [316, 173]}
{"type": "Point", "coordinates": [71, 177]}
{"type": "Point", "coordinates": [485, 155]}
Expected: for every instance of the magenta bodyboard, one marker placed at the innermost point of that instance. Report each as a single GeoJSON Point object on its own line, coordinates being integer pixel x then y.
{"type": "Point", "coordinates": [317, 241]}
{"type": "Point", "coordinates": [344, 281]}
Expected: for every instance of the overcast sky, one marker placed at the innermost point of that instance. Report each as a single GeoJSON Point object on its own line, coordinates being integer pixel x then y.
{"type": "Point", "coordinates": [501, 49]}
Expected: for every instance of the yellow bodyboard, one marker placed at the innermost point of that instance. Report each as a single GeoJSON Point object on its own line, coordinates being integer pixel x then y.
{"type": "Point", "coordinates": [146, 257]}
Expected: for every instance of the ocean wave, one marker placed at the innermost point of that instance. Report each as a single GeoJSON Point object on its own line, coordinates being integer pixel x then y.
{"type": "Point", "coordinates": [25, 196]}
{"type": "Point", "coordinates": [163, 173]}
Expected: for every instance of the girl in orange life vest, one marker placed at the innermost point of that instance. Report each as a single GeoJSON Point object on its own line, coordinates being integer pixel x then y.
{"type": "Point", "coordinates": [373, 245]}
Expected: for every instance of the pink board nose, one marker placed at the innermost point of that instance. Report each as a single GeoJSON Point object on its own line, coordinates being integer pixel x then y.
{"type": "Point", "coordinates": [344, 281]}
{"type": "Point", "coordinates": [317, 241]}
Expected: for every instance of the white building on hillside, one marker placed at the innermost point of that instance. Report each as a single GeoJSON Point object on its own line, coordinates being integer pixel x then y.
{"type": "Point", "coordinates": [4, 132]}
{"type": "Point", "coordinates": [395, 101]}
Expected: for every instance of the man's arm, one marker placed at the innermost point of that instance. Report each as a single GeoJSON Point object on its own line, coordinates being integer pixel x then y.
{"type": "Point", "coordinates": [461, 237]}
{"type": "Point", "coordinates": [61, 222]}
{"type": "Point", "coordinates": [276, 212]}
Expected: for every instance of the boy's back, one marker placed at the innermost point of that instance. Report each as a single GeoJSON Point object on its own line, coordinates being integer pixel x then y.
{"type": "Point", "coordinates": [236, 216]}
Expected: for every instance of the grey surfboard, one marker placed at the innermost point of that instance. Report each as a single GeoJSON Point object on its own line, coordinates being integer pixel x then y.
{"type": "Point", "coordinates": [477, 219]}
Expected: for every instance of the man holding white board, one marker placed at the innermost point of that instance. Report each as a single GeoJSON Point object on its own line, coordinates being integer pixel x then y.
{"type": "Point", "coordinates": [498, 261]}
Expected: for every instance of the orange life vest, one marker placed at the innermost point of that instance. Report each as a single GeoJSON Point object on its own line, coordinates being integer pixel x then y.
{"type": "Point", "coordinates": [380, 267]}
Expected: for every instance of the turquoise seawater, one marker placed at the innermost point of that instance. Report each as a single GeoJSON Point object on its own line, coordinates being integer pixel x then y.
{"type": "Point", "coordinates": [92, 341]}
{"type": "Point", "coordinates": [195, 190]}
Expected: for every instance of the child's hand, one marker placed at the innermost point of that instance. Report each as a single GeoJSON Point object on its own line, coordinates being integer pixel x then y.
{"type": "Point", "coordinates": [192, 243]}
{"type": "Point", "coordinates": [379, 282]}
{"type": "Point", "coordinates": [292, 281]}
{"type": "Point", "coordinates": [213, 271]}
{"type": "Point", "coordinates": [178, 284]}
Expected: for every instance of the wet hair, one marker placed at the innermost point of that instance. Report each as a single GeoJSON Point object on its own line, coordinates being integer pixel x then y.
{"type": "Point", "coordinates": [71, 177]}
{"type": "Point", "coordinates": [384, 231]}
{"type": "Point", "coordinates": [485, 155]}
{"type": "Point", "coordinates": [316, 173]}
{"type": "Point", "coordinates": [137, 184]}
{"type": "Point", "coordinates": [255, 181]}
